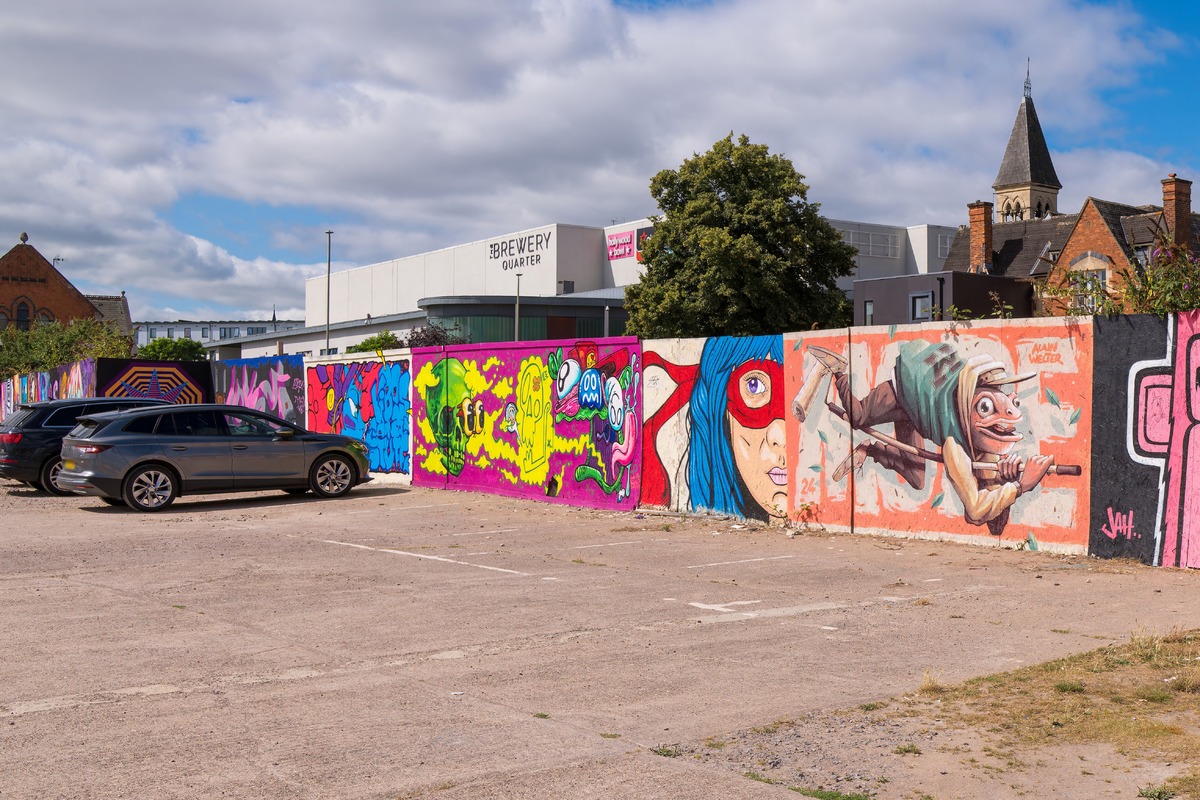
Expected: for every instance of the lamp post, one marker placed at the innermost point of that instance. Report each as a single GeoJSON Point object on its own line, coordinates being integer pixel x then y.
{"type": "Point", "coordinates": [517, 312]}
{"type": "Point", "coordinates": [328, 269]}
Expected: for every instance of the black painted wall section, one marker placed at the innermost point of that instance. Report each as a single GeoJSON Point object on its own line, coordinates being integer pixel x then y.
{"type": "Point", "coordinates": [1124, 492]}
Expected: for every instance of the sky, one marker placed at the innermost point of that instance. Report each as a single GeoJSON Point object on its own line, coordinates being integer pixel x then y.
{"type": "Point", "coordinates": [193, 155]}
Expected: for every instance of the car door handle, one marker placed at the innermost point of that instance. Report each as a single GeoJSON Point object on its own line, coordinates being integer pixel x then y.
{"type": "Point", "coordinates": [179, 448]}
{"type": "Point", "coordinates": [239, 447]}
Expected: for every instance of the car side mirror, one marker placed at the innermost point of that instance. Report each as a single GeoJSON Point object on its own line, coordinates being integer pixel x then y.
{"type": "Point", "coordinates": [285, 434]}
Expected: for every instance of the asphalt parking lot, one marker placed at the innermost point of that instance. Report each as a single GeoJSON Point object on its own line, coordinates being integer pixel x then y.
{"type": "Point", "coordinates": [414, 643]}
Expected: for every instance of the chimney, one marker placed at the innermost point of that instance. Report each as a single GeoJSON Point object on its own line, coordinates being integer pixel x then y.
{"type": "Point", "coordinates": [981, 236]}
{"type": "Point", "coordinates": [1177, 209]}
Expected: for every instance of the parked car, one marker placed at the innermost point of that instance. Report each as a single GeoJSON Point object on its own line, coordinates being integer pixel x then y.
{"type": "Point", "coordinates": [147, 457]}
{"type": "Point", "coordinates": [31, 437]}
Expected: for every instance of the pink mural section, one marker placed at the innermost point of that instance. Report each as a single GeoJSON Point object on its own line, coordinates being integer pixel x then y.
{"type": "Point", "coordinates": [558, 421]}
{"type": "Point", "coordinates": [969, 431]}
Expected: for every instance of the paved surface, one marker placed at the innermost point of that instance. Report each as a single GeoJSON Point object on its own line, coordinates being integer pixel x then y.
{"type": "Point", "coordinates": [413, 643]}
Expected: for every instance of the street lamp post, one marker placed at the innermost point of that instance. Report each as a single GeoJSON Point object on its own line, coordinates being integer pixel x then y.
{"type": "Point", "coordinates": [328, 269]}
{"type": "Point", "coordinates": [517, 312]}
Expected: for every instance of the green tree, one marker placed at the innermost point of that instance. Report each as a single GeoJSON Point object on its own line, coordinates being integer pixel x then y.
{"type": "Point", "coordinates": [52, 344]}
{"type": "Point", "coordinates": [738, 250]}
{"type": "Point", "coordinates": [385, 340]}
{"type": "Point", "coordinates": [431, 335]}
{"type": "Point", "coordinates": [1168, 282]}
{"type": "Point", "coordinates": [164, 349]}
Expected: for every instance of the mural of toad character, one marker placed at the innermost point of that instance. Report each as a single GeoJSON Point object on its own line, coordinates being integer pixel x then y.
{"type": "Point", "coordinates": [961, 405]}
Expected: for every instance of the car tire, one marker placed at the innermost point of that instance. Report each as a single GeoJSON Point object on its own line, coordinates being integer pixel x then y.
{"type": "Point", "coordinates": [49, 476]}
{"type": "Point", "coordinates": [151, 487]}
{"type": "Point", "coordinates": [331, 476]}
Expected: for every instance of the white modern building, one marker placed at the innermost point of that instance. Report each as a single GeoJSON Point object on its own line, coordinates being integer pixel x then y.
{"type": "Point", "coordinates": [210, 332]}
{"type": "Point", "coordinates": [559, 281]}
{"type": "Point", "coordinates": [888, 251]}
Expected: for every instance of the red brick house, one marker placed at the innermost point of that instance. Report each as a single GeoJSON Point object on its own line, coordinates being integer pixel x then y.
{"type": "Point", "coordinates": [32, 290]}
{"type": "Point", "coordinates": [1032, 242]}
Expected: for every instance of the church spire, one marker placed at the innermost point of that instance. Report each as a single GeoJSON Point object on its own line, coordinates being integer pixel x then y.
{"type": "Point", "coordinates": [1027, 185]}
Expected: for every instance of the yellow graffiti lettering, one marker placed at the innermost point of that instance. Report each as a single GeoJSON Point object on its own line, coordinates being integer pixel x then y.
{"type": "Point", "coordinates": [502, 389]}
{"type": "Point", "coordinates": [533, 420]}
{"type": "Point", "coordinates": [491, 362]}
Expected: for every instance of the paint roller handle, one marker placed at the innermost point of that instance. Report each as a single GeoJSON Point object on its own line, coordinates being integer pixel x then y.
{"type": "Point", "coordinates": [1065, 469]}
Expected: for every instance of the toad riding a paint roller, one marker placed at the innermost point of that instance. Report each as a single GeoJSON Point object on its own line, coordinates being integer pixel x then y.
{"type": "Point", "coordinates": [959, 404]}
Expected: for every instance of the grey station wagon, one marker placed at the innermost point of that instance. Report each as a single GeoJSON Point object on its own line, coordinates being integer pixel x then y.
{"type": "Point", "coordinates": [147, 457]}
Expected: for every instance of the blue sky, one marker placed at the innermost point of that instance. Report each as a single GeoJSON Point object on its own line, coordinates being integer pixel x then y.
{"type": "Point", "coordinates": [194, 156]}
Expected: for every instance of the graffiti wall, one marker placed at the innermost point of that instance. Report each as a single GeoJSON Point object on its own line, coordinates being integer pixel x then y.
{"type": "Point", "coordinates": [369, 400]}
{"type": "Point", "coordinates": [1147, 505]}
{"type": "Point", "coordinates": [173, 381]}
{"type": "Point", "coordinates": [978, 431]}
{"type": "Point", "coordinates": [557, 421]}
{"type": "Point", "coordinates": [273, 384]}
{"type": "Point", "coordinates": [714, 426]}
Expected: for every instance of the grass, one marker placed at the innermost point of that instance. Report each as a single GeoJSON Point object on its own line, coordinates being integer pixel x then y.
{"type": "Point", "coordinates": [1119, 695]}
{"type": "Point", "coordinates": [908, 749]}
{"type": "Point", "coordinates": [828, 794]}
{"type": "Point", "coordinates": [610, 736]}
{"type": "Point", "coordinates": [541, 715]}
{"type": "Point", "coordinates": [666, 752]}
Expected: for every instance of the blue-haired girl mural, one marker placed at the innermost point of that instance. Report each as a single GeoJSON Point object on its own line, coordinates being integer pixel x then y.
{"type": "Point", "coordinates": [715, 441]}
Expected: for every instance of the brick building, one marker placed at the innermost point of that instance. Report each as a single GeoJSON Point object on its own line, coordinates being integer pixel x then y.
{"type": "Point", "coordinates": [1029, 241]}
{"type": "Point", "coordinates": [33, 290]}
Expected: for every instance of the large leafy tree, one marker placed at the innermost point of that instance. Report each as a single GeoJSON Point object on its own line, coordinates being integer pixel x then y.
{"type": "Point", "coordinates": [52, 344]}
{"type": "Point", "coordinates": [738, 250]}
{"type": "Point", "coordinates": [164, 349]}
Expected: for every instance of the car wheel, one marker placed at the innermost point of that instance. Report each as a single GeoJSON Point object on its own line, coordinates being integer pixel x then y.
{"type": "Point", "coordinates": [49, 477]}
{"type": "Point", "coordinates": [112, 501]}
{"type": "Point", "coordinates": [150, 488]}
{"type": "Point", "coordinates": [331, 476]}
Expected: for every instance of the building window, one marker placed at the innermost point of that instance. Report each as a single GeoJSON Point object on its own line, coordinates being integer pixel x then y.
{"type": "Point", "coordinates": [1142, 253]}
{"type": "Point", "coordinates": [880, 245]}
{"type": "Point", "coordinates": [170, 333]}
{"type": "Point", "coordinates": [187, 333]}
{"type": "Point", "coordinates": [254, 329]}
{"type": "Point", "coordinates": [22, 317]}
{"type": "Point", "coordinates": [151, 334]}
{"type": "Point", "coordinates": [1090, 288]}
{"type": "Point", "coordinates": [868, 312]}
{"type": "Point", "coordinates": [920, 307]}
{"type": "Point", "coordinates": [330, 352]}
{"type": "Point", "coordinates": [230, 333]}
{"type": "Point", "coordinates": [944, 242]}
{"type": "Point", "coordinates": [205, 333]}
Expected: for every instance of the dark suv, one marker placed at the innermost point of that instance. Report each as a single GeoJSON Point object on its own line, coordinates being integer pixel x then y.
{"type": "Point", "coordinates": [31, 437]}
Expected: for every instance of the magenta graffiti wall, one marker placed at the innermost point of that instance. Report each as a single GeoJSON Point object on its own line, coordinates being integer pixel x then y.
{"type": "Point", "coordinates": [554, 420]}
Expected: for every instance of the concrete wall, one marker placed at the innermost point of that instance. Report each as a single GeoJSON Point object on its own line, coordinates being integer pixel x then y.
{"type": "Point", "coordinates": [1073, 435]}
{"type": "Point", "coordinates": [552, 420]}
{"type": "Point", "coordinates": [367, 397]}
{"type": "Point", "coordinates": [271, 384]}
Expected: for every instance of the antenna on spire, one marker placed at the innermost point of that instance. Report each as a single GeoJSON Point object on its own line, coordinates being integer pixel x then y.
{"type": "Point", "coordinates": [1028, 85]}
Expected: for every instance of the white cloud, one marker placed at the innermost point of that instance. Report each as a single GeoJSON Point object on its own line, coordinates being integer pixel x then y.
{"type": "Point", "coordinates": [424, 125]}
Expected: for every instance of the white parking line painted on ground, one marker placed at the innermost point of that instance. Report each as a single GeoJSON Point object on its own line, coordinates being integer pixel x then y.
{"type": "Point", "coordinates": [424, 556]}
{"type": "Point", "coordinates": [724, 607]}
{"type": "Point", "coordinates": [431, 505]}
{"type": "Point", "coordinates": [610, 544]}
{"type": "Point", "coordinates": [481, 533]}
{"type": "Point", "coordinates": [792, 611]}
{"type": "Point", "coordinates": [743, 561]}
